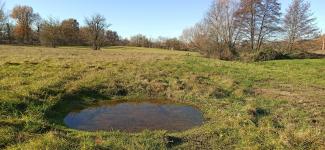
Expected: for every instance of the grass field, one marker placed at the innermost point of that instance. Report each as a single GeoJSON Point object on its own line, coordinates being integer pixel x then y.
{"type": "Point", "coordinates": [265, 105]}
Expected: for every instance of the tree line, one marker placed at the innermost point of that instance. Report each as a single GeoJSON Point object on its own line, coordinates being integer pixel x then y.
{"type": "Point", "coordinates": [22, 25]}
{"type": "Point", "coordinates": [229, 28]}
{"type": "Point", "coordinates": [232, 26]}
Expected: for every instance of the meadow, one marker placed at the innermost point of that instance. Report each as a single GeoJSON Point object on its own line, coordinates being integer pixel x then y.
{"type": "Point", "coordinates": [261, 105]}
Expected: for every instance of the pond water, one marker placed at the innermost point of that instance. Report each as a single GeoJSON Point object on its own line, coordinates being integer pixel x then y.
{"type": "Point", "coordinates": [135, 117]}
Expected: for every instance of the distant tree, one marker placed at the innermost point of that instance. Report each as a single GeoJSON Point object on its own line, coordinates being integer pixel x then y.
{"type": "Point", "coordinates": [6, 26]}
{"type": "Point", "coordinates": [50, 32]}
{"type": "Point", "coordinates": [168, 43]}
{"type": "Point", "coordinates": [140, 41]}
{"type": "Point", "coordinates": [123, 42]}
{"type": "Point", "coordinates": [38, 22]}
{"type": "Point", "coordinates": [299, 23]}
{"type": "Point", "coordinates": [160, 42]}
{"type": "Point", "coordinates": [112, 38]}
{"type": "Point", "coordinates": [173, 44]}
{"type": "Point", "coordinates": [70, 32]}
{"type": "Point", "coordinates": [83, 36]}
{"type": "Point", "coordinates": [25, 17]}
{"type": "Point", "coordinates": [197, 38]}
{"type": "Point", "coordinates": [96, 27]}
{"type": "Point", "coordinates": [259, 20]}
{"type": "Point", "coordinates": [9, 32]}
{"type": "Point", "coordinates": [36, 32]}
{"type": "Point", "coordinates": [323, 45]}
{"type": "Point", "coordinates": [3, 21]}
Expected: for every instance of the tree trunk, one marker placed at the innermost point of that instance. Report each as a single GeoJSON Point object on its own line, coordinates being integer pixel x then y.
{"type": "Point", "coordinates": [290, 46]}
{"type": "Point", "coordinates": [8, 33]}
{"type": "Point", "coordinates": [94, 46]}
{"type": "Point", "coordinates": [323, 48]}
{"type": "Point", "coordinates": [252, 26]}
{"type": "Point", "coordinates": [291, 43]}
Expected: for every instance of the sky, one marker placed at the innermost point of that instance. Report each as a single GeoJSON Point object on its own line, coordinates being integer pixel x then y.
{"type": "Point", "coordinates": [153, 18]}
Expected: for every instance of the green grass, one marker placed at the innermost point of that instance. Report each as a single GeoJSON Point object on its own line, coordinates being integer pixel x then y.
{"type": "Point", "coordinates": [265, 105]}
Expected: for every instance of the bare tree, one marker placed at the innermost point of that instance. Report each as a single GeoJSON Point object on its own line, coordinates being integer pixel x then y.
{"type": "Point", "coordinates": [173, 44]}
{"type": "Point", "coordinates": [196, 38]}
{"type": "Point", "coordinates": [299, 22]}
{"type": "Point", "coordinates": [218, 33]}
{"type": "Point", "coordinates": [96, 26]}
{"type": "Point", "coordinates": [140, 41]}
{"type": "Point", "coordinates": [259, 20]}
{"type": "Point", "coordinates": [222, 27]}
{"type": "Point", "coordinates": [3, 20]}
{"type": "Point", "coordinates": [50, 32]}
{"type": "Point", "coordinates": [323, 47]}
{"type": "Point", "coordinates": [8, 32]}
{"type": "Point", "coordinates": [36, 32]}
{"type": "Point", "coordinates": [6, 25]}
{"type": "Point", "coordinates": [269, 23]}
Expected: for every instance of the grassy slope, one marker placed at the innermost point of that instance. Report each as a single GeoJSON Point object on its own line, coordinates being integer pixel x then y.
{"type": "Point", "coordinates": [276, 104]}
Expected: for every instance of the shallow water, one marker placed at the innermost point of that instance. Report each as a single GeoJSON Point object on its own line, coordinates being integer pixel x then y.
{"type": "Point", "coordinates": [135, 117]}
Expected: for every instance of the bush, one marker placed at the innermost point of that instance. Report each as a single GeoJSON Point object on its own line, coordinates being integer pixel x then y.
{"type": "Point", "coordinates": [220, 52]}
{"type": "Point", "coordinates": [305, 55]}
{"type": "Point", "coordinates": [270, 54]}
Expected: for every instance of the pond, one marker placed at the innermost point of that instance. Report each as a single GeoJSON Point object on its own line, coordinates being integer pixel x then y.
{"type": "Point", "coordinates": [134, 116]}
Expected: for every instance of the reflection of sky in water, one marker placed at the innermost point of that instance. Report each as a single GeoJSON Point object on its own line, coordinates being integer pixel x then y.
{"type": "Point", "coordinates": [135, 117]}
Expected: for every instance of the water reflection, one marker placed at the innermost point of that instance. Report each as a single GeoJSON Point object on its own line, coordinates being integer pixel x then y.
{"type": "Point", "coordinates": [135, 116]}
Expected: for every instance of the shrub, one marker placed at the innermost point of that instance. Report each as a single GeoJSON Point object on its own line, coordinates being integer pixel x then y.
{"type": "Point", "coordinates": [269, 54]}
{"type": "Point", "coordinates": [305, 55]}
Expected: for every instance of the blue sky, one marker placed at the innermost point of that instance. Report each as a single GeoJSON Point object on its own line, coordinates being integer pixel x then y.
{"type": "Point", "coordinates": [152, 18]}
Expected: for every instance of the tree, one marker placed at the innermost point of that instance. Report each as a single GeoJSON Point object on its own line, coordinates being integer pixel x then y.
{"type": "Point", "coordinates": [36, 33]}
{"type": "Point", "coordinates": [123, 42]}
{"type": "Point", "coordinates": [3, 21]}
{"type": "Point", "coordinates": [96, 26]}
{"type": "Point", "coordinates": [223, 30]}
{"type": "Point", "coordinates": [70, 31]}
{"type": "Point", "coordinates": [112, 38]}
{"type": "Point", "coordinates": [299, 23]}
{"type": "Point", "coordinates": [140, 41]}
{"type": "Point", "coordinates": [259, 20]}
{"type": "Point", "coordinates": [84, 36]}
{"type": "Point", "coordinates": [218, 33]}
{"type": "Point", "coordinates": [6, 25]}
{"type": "Point", "coordinates": [196, 38]}
{"type": "Point", "coordinates": [168, 43]}
{"type": "Point", "coordinates": [9, 32]}
{"type": "Point", "coordinates": [24, 16]}
{"type": "Point", "coordinates": [173, 44]}
{"type": "Point", "coordinates": [38, 22]}
{"type": "Point", "coordinates": [50, 32]}
{"type": "Point", "coordinates": [323, 46]}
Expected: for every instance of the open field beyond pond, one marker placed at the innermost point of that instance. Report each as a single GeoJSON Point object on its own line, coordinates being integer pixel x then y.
{"type": "Point", "coordinates": [264, 105]}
